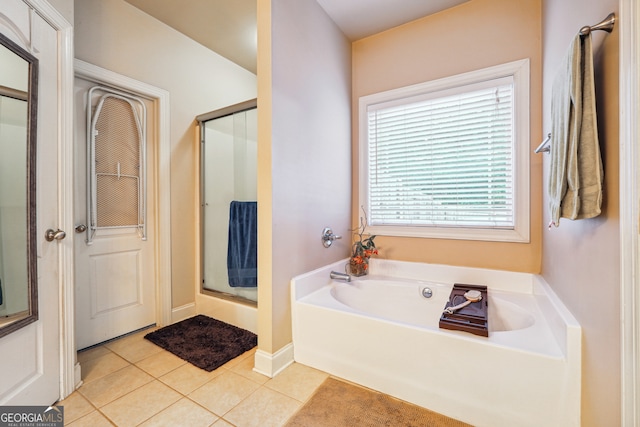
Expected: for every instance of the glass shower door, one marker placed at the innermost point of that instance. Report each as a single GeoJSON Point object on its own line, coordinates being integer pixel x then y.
{"type": "Point", "coordinates": [229, 207]}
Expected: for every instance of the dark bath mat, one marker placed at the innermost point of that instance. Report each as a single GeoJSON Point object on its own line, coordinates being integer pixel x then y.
{"type": "Point", "coordinates": [204, 342]}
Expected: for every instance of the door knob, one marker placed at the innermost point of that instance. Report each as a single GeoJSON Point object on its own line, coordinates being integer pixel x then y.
{"type": "Point", "coordinates": [81, 228]}
{"type": "Point", "coordinates": [51, 235]}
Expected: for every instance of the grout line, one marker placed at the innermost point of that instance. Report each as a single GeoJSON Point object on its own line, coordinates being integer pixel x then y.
{"type": "Point", "coordinates": [218, 417]}
{"type": "Point", "coordinates": [130, 391]}
{"type": "Point", "coordinates": [84, 381]}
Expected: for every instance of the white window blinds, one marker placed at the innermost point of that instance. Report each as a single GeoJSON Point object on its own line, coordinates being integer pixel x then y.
{"type": "Point", "coordinates": [449, 158]}
{"type": "Point", "coordinates": [444, 161]}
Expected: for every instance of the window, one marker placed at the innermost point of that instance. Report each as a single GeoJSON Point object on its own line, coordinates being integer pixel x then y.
{"type": "Point", "coordinates": [449, 158]}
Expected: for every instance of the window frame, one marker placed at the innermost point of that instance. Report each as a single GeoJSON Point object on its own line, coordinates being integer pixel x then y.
{"type": "Point", "coordinates": [519, 72]}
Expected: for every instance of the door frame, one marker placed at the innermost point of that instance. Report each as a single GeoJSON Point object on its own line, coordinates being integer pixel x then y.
{"type": "Point", "coordinates": [629, 22]}
{"type": "Point", "coordinates": [162, 207]}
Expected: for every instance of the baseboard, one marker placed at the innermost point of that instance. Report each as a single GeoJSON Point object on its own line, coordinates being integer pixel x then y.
{"type": "Point", "coordinates": [183, 312]}
{"type": "Point", "coordinates": [272, 364]}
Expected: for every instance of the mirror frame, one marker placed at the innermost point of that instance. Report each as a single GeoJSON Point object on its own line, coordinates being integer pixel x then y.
{"type": "Point", "coordinates": [32, 109]}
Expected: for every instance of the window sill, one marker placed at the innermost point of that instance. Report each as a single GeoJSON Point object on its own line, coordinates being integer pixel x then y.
{"type": "Point", "coordinates": [518, 235]}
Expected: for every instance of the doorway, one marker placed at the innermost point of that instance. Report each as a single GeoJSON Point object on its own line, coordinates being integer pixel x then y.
{"type": "Point", "coordinates": [104, 269]}
{"type": "Point", "coordinates": [228, 195]}
{"type": "Point", "coordinates": [114, 252]}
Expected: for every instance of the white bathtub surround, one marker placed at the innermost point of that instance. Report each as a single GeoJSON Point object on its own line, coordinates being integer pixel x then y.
{"type": "Point", "coordinates": [382, 333]}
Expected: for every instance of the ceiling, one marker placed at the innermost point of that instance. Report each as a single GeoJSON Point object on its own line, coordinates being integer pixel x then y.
{"type": "Point", "coordinates": [228, 27]}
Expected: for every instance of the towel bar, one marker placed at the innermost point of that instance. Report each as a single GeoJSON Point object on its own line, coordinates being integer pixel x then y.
{"type": "Point", "coordinates": [605, 25]}
{"type": "Point", "coordinates": [544, 146]}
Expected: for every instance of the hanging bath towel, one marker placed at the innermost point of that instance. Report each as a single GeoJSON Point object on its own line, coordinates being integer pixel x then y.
{"type": "Point", "coordinates": [242, 251]}
{"type": "Point", "coordinates": [576, 173]}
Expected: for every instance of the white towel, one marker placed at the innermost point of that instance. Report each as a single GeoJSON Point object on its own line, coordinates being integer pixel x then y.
{"type": "Point", "coordinates": [575, 180]}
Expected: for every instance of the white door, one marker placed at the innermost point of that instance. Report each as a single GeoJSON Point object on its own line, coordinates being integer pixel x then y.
{"type": "Point", "coordinates": [115, 291]}
{"type": "Point", "coordinates": [30, 357]}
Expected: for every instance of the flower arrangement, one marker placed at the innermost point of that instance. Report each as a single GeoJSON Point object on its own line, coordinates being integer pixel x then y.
{"type": "Point", "coordinates": [363, 249]}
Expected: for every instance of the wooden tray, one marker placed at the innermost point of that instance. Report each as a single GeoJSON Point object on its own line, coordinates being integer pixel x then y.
{"type": "Point", "coordinates": [472, 318]}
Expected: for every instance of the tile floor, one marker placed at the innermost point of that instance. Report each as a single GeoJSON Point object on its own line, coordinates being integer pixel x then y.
{"type": "Point", "coordinates": [131, 382]}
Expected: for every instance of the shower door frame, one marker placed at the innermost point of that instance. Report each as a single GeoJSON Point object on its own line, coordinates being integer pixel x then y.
{"type": "Point", "coordinates": [202, 119]}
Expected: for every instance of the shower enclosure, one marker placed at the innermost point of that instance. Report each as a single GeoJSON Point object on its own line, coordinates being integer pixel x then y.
{"type": "Point", "coordinates": [228, 185]}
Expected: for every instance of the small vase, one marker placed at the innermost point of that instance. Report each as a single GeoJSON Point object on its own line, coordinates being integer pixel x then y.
{"type": "Point", "coordinates": [358, 267]}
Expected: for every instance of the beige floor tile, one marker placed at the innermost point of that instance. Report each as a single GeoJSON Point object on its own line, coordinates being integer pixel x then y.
{"type": "Point", "coordinates": [134, 347]}
{"type": "Point", "coordinates": [150, 392]}
{"type": "Point", "coordinates": [182, 413]}
{"type": "Point", "coordinates": [297, 381]}
{"type": "Point", "coordinates": [94, 419]}
{"type": "Point", "coordinates": [110, 387]}
{"type": "Point", "coordinates": [224, 392]}
{"type": "Point", "coordinates": [187, 378]}
{"type": "Point", "coordinates": [101, 366]}
{"type": "Point", "coordinates": [235, 361]}
{"type": "Point", "coordinates": [222, 423]}
{"type": "Point", "coordinates": [92, 353]}
{"type": "Point", "coordinates": [76, 406]}
{"type": "Point", "coordinates": [264, 408]}
{"type": "Point", "coordinates": [245, 368]}
{"type": "Point", "coordinates": [141, 404]}
{"type": "Point", "coordinates": [160, 363]}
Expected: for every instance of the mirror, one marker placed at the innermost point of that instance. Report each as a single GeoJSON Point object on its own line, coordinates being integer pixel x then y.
{"type": "Point", "coordinates": [18, 109]}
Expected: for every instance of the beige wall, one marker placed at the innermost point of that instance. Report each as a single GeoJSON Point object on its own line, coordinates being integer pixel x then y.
{"type": "Point", "coordinates": [114, 35]}
{"type": "Point", "coordinates": [304, 101]}
{"type": "Point", "coordinates": [581, 259]}
{"type": "Point", "coordinates": [472, 36]}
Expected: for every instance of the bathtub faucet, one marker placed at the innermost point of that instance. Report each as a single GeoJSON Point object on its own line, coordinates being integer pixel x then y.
{"type": "Point", "coordinates": [340, 276]}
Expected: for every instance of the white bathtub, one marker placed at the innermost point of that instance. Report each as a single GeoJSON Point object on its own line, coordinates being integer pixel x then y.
{"type": "Point", "coordinates": [382, 333]}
